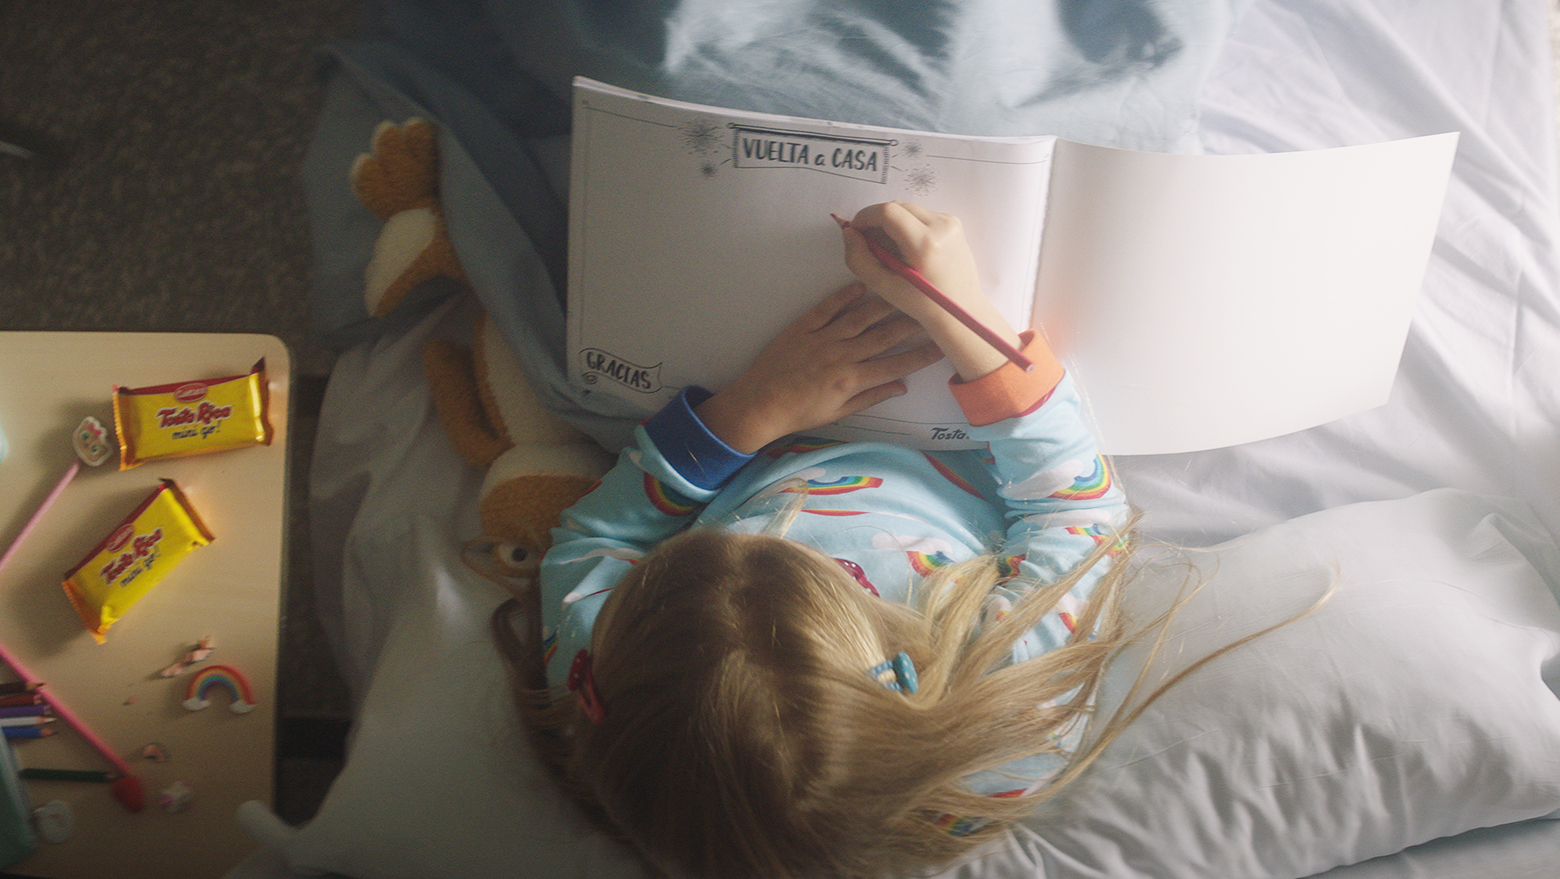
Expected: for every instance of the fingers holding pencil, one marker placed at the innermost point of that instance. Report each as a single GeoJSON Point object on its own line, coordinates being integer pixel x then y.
{"type": "Point", "coordinates": [919, 261]}
{"type": "Point", "coordinates": [929, 242]}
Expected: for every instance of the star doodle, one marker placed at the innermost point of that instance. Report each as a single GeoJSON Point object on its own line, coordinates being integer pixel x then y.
{"type": "Point", "coordinates": [702, 137]}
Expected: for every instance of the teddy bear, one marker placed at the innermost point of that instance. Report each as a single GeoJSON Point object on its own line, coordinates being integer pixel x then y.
{"type": "Point", "coordinates": [536, 465]}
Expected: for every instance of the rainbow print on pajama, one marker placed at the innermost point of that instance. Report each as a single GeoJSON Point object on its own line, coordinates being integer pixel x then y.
{"type": "Point", "coordinates": [1008, 566]}
{"type": "Point", "coordinates": [843, 485]}
{"type": "Point", "coordinates": [925, 563]}
{"type": "Point", "coordinates": [667, 501]}
{"type": "Point", "coordinates": [1090, 486]}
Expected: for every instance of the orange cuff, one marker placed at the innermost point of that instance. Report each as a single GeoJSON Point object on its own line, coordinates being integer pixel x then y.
{"type": "Point", "coordinates": [1009, 391]}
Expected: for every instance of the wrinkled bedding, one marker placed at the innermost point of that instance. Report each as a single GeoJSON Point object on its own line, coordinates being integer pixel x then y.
{"type": "Point", "coordinates": [1475, 410]}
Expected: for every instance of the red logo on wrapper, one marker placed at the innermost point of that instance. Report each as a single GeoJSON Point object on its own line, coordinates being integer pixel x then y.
{"type": "Point", "coordinates": [144, 546]}
{"type": "Point", "coordinates": [118, 539]}
{"type": "Point", "coordinates": [190, 393]}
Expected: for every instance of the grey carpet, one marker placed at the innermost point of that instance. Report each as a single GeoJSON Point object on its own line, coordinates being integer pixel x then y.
{"type": "Point", "coordinates": [164, 195]}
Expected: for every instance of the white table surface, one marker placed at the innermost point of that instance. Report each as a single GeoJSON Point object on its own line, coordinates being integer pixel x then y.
{"type": "Point", "coordinates": [230, 590]}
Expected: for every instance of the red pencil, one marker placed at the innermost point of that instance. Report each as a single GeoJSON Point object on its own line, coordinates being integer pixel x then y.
{"type": "Point", "coordinates": [898, 267]}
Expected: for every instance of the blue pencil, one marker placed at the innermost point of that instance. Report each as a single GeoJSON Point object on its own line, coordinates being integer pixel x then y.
{"type": "Point", "coordinates": [27, 732]}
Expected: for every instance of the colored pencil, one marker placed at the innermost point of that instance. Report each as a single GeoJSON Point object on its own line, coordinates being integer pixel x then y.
{"type": "Point", "coordinates": [900, 268]}
{"type": "Point", "coordinates": [26, 732]}
{"type": "Point", "coordinates": [16, 689]}
{"type": "Point", "coordinates": [19, 722]}
{"type": "Point", "coordinates": [37, 516]}
{"type": "Point", "coordinates": [127, 790]}
{"type": "Point", "coordinates": [36, 710]}
{"type": "Point", "coordinates": [33, 774]}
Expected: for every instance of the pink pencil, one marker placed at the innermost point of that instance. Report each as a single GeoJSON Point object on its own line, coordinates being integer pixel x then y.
{"type": "Point", "coordinates": [32, 522]}
{"type": "Point", "coordinates": [127, 790]}
{"type": "Point", "coordinates": [898, 267]}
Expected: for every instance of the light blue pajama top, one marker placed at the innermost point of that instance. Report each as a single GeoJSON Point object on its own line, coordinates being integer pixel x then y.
{"type": "Point", "coordinates": [1038, 494]}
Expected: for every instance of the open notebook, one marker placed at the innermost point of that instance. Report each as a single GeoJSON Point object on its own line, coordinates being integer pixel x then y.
{"type": "Point", "coordinates": [1199, 301]}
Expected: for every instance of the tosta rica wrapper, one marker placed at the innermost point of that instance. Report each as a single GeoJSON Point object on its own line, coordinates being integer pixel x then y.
{"type": "Point", "coordinates": [138, 553]}
{"type": "Point", "coordinates": [192, 418]}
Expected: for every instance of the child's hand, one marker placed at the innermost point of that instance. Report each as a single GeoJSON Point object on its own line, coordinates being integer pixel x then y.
{"type": "Point", "coordinates": [934, 245]}
{"type": "Point", "coordinates": [820, 369]}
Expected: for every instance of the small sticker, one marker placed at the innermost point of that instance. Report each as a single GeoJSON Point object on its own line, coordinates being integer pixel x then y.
{"type": "Point", "coordinates": [199, 653]}
{"type": "Point", "coordinates": [91, 441]}
{"type": "Point", "coordinates": [176, 797]}
{"type": "Point", "coordinates": [54, 821]}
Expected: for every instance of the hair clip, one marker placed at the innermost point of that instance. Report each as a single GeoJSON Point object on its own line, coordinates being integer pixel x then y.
{"type": "Point", "coordinates": [858, 574]}
{"type": "Point", "coordinates": [897, 673]}
{"type": "Point", "coordinates": [582, 680]}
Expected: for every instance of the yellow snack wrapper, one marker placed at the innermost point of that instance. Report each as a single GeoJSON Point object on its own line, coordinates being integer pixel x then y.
{"type": "Point", "coordinates": [192, 418]}
{"type": "Point", "coordinates": [134, 557]}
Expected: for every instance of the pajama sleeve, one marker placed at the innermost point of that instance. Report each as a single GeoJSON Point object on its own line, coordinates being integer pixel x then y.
{"type": "Point", "coordinates": [659, 484]}
{"type": "Point", "coordinates": [1059, 493]}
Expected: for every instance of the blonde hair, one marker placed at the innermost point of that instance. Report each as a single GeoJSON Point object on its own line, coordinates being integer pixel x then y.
{"type": "Point", "coordinates": [743, 734]}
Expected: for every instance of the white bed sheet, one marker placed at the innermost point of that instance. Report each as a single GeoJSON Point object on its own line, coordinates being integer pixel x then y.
{"type": "Point", "coordinates": [1476, 405]}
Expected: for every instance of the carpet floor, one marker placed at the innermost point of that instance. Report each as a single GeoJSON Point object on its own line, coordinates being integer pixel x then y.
{"type": "Point", "coordinates": [151, 183]}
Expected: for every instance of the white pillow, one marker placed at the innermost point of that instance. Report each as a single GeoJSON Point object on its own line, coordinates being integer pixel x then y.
{"type": "Point", "coordinates": [1411, 706]}
{"type": "Point", "coordinates": [439, 779]}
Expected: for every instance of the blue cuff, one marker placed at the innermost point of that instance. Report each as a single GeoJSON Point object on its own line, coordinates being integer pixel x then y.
{"type": "Point", "coordinates": [688, 446]}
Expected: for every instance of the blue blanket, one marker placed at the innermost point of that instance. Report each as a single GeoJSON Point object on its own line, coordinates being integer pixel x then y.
{"type": "Point", "coordinates": [495, 77]}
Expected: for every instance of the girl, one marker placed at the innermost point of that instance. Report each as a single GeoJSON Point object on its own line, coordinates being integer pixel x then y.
{"type": "Point", "coordinates": [758, 654]}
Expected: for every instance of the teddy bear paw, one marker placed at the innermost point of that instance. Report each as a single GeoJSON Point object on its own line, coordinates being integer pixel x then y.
{"type": "Point", "coordinates": [399, 183]}
{"type": "Point", "coordinates": [401, 171]}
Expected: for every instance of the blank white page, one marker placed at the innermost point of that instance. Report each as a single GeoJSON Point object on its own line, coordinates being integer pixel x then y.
{"type": "Point", "coordinates": [1207, 301]}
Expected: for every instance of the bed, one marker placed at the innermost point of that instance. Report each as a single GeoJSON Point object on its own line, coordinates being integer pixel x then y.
{"type": "Point", "coordinates": [1357, 743]}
